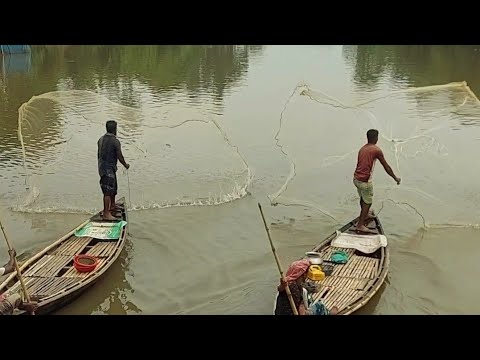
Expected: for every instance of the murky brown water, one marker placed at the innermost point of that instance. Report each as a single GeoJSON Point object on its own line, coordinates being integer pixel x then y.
{"type": "Point", "coordinates": [211, 255]}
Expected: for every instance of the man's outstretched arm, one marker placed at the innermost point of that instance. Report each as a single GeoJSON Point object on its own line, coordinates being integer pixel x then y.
{"type": "Point", "coordinates": [120, 156]}
{"type": "Point", "coordinates": [387, 167]}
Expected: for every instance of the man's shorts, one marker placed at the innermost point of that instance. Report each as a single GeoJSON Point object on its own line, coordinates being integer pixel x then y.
{"type": "Point", "coordinates": [365, 190]}
{"type": "Point", "coordinates": [108, 183]}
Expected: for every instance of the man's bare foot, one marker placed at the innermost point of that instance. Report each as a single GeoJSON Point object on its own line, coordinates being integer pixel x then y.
{"type": "Point", "coordinates": [112, 213]}
{"type": "Point", "coordinates": [370, 217]}
{"type": "Point", "coordinates": [334, 311]}
{"type": "Point", "coordinates": [109, 217]}
{"type": "Point", "coordinates": [364, 229]}
{"type": "Point", "coordinates": [116, 212]}
{"type": "Point", "coordinates": [367, 221]}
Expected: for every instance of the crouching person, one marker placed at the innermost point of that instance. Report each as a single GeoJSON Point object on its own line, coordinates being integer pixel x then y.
{"type": "Point", "coordinates": [8, 303]}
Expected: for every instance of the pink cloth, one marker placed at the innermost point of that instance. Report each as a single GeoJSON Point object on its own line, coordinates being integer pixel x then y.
{"type": "Point", "coordinates": [297, 269]}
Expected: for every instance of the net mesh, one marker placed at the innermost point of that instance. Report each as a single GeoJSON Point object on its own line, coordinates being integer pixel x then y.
{"type": "Point", "coordinates": [179, 156]}
{"type": "Point", "coordinates": [427, 135]}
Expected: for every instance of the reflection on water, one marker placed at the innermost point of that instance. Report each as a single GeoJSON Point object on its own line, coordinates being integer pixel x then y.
{"type": "Point", "coordinates": [415, 65]}
{"type": "Point", "coordinates": [172, 86]}
{"type": "Point", "coordinates": [203, 72]}
{"type": "Point", "coordinates": [15, 64]}
{"type": "Point", "coordinates": [216, 259]}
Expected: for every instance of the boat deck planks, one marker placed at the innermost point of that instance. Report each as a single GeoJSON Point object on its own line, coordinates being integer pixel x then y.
{"type": "Point", "coordinates": [73, 247]}
{"type": "Point", "coordinates": [50, 276]}
{"type": "Point", "coordinates": [352, 284]}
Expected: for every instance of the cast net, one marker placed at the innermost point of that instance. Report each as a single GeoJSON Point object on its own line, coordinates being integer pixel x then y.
{"type": "Point", "coordinates": [179, 154]}
{"type": "Point", "coordinates": [428, 135]}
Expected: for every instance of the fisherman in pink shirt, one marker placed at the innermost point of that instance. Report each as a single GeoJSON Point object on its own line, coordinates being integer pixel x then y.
{"type": "Point", "coordinates": [295, 277]}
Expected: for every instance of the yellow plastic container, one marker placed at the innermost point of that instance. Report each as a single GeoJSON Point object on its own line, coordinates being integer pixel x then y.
{"type": "Point", "coordinates": [315, 273]}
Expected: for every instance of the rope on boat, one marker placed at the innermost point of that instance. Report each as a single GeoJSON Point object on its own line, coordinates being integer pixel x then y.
{"type": "Point", "coordinates": [129, 196]}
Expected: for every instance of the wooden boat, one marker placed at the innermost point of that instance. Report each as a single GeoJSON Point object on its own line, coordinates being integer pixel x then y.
{"type": "Point", "coordinates": [50, 276]}
{"type": "Point", "coordinates": [351, 285]}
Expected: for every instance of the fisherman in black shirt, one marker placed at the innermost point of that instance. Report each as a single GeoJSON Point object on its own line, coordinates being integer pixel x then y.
{"type": "Point", "coordinates": [109, 151]}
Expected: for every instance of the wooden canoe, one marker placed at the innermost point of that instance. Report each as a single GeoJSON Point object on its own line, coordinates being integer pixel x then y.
{"type": "Point", "coordinates": [50, 277]}
{"type": "Point", "coordinates": [351, 285]}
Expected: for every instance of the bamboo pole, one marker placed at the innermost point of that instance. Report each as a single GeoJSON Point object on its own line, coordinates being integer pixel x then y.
{"type": "Point", "coordinates": [287, 288]}
{"type": "Point", "coordinates": [27, 297]}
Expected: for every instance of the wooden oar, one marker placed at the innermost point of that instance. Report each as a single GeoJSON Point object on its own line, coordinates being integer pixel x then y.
{"type": "Point", "coordinates": [287, 288]}
{"type": "Point", "coordinates": [16, 267]}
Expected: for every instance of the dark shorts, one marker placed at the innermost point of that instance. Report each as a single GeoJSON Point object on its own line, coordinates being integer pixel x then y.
{"type": "Point", "coordinates": [108, 183]}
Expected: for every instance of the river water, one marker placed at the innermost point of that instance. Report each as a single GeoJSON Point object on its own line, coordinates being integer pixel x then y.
{"type": "Point", "coordinates": [210, 131]}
